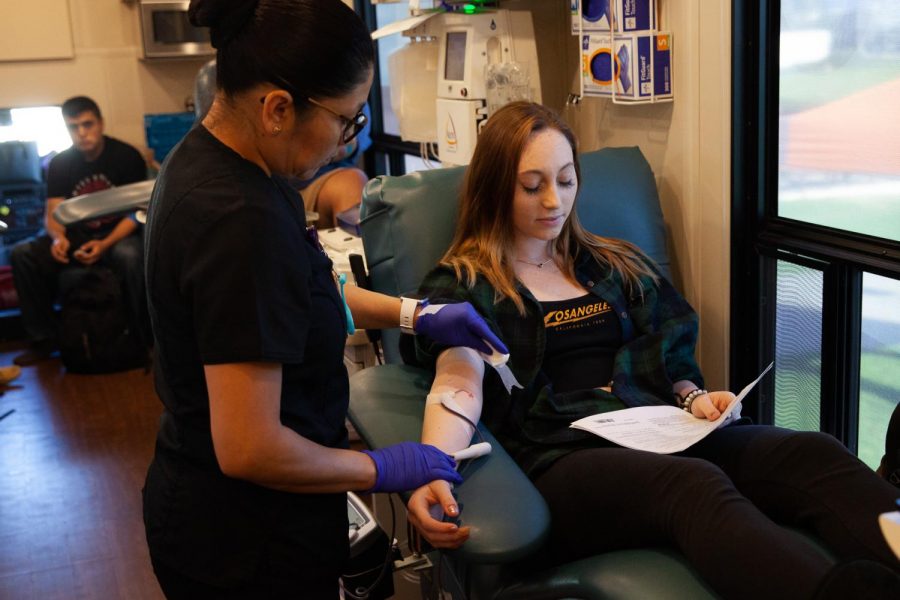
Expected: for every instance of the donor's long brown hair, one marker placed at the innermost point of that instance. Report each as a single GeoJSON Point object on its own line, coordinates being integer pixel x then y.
{"type": "Point", "coordinates": [483, 242]}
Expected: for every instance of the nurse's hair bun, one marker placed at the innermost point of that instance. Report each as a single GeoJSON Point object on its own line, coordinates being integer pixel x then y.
{"type": "Point", "coordinates": [225, 18]}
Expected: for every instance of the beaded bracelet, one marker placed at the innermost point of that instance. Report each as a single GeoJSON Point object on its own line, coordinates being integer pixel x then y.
{"type": "Point", "coordinates": [692, 395]}
{"type": "Point", "coordinates": [679, 399]}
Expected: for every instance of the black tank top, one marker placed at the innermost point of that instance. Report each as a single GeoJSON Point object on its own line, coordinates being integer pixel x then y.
{"type": "Point", "coordinates": [583, 336]}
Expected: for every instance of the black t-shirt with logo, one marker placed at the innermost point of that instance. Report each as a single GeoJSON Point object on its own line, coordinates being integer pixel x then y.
{"type": "Point", "coordinates": [70, 175]}
{"type": "Point", "coordinates": [583, 336]}
{"type": "Point", "coordinates": [232, 277]}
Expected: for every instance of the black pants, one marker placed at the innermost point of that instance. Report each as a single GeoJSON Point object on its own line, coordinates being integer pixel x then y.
{"type": "Point", "coordinates": [267, 585]}
{"type": "Point", "coordinates": [212, 536]}
{"type": "Point", "coordinates": [40, 279]}
{"type": "Point", "coordinates": [718, 503]}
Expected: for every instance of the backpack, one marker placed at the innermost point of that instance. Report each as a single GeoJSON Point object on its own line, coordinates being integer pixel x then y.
{"type": "Point", "coordinates": [95, 332]}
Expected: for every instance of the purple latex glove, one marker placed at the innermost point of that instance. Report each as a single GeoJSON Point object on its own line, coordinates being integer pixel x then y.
{"type": "Point", "coordinates": [409, 465]}
{"type": "Point", "coordinates": [458, 325]}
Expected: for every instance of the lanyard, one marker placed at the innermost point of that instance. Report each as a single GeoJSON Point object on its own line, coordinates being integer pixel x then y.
{"type": "Point", "coordinates": [313, 237]}
{"type": "Point", "coordinates": [351, 328]}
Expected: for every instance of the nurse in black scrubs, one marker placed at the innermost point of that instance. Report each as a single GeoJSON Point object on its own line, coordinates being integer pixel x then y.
{"type": "Point", "coordinates": [245, 497]}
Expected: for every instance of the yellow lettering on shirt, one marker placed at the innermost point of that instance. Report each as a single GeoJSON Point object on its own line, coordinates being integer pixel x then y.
{"type": "Point", "coordinates": [556, 318]}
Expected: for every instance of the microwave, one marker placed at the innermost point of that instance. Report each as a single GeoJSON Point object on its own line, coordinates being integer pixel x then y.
{"type": "Point", "coordinates": [168, 33]}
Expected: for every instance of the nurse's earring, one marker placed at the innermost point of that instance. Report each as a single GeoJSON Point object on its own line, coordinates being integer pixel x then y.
{"type": "Point", "coordinates": [276, 130]}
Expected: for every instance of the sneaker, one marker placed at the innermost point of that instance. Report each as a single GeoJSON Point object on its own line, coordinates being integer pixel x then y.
{"type": "Point", "coordinates": [7, 374]}
{"type": "Point", "coordinates": [38, 352]}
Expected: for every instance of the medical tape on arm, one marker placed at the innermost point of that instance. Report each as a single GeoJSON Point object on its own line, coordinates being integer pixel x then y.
{"type": "Point", "coordinates": [498, 362]}
{"type": "Point", "coordinates": [448, 401]}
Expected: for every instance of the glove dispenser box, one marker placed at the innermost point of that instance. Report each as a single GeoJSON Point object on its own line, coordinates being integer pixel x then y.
{"type": "Point", "coordinates": [619, 16]}
{"type": "Point", "coordinates": [630, 67]}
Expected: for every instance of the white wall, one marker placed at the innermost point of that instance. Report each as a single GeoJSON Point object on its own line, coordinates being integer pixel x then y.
{"type": "Point", "coordinates": [17, 41]}
{"type": "Point", "coordinates": [106, 66]}
{"type": "Point", "coordinates": [687, 143]}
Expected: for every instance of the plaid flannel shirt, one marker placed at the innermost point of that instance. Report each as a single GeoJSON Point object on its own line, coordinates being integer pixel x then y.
{"type": "Point", "coordinates": [659, 331]}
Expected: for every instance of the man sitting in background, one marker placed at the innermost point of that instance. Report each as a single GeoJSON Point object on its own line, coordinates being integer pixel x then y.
{"type": "Point", "coordinates": [94, 162]}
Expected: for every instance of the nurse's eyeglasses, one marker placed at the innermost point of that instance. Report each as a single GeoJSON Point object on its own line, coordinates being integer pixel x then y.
{"type": "Point", "coordinates": [351, 127]}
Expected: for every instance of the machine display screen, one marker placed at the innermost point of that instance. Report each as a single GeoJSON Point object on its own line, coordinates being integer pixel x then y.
{"type": "Point", "coordinates": [455, 60]}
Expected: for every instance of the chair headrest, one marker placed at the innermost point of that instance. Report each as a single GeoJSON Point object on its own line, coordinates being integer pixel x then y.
{"type": "Point", "coordinates": [618, 198]}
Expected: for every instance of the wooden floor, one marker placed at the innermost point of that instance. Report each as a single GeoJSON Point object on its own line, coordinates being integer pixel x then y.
{"type": "Point", "coordinates": [73, 455]}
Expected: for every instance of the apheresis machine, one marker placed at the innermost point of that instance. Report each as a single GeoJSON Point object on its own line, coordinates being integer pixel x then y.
{"type": "Point", "coordinates": [462, 62]}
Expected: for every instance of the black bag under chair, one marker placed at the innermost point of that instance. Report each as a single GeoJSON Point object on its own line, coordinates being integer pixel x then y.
{"type": "Point", "coordinates": [95, 332]}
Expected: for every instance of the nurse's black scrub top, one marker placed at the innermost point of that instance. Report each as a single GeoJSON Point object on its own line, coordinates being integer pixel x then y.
{"type": "Point", "coordinates": [232, 278]}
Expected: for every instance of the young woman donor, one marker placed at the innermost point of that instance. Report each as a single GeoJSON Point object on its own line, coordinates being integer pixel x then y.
{"type": "Point", "coordinates": [245, 497]}
{"type": "Point", "coordinates": [521, 257]}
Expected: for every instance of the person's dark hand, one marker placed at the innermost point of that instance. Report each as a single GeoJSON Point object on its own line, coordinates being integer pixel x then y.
{"type": "Point", "coordinates": [458, 325]}
{"type": "Point", "coordinates": [90, 252]}
{"type": "Point", "coordinates": [59, 250]}
{"type": "Point", "coordinates": [410, 465]}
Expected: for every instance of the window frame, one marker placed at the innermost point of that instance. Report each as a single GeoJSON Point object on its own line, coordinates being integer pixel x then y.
{"type": "Point", "coordinates": [759, 235]}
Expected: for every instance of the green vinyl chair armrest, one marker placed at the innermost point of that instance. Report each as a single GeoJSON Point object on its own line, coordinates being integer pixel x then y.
{"type": "Point", "coordinates": [508, 516]}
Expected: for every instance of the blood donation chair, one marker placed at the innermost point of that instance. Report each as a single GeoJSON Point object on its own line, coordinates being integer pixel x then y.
{"type": "Point", "coordinates": [407, 224]}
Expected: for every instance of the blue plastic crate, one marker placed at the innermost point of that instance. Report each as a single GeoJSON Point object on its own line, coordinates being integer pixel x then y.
{"type": "Point", "coordinates": [165, 130]}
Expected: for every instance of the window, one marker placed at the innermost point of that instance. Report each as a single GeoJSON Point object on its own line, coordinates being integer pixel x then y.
{"type": "Point", "coordinates": [879, 365]}
{"type": "Point", "coordinates": [798, 345]}
{"type": "Point", "coordinates": [41, 124]}
{"type": "Point", "coordinates": [816, 214]}
{"type": "Point", "coordinates": [385, 14]}
{"type": "Point", "coordinates": [839, 126]}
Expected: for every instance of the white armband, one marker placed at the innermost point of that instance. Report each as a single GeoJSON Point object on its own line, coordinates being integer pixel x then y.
{"type": "Point", "coordinates": [408, 308]}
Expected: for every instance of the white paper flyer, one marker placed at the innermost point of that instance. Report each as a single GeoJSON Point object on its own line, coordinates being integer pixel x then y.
{"type": "Point", "coordinates": [660, 429]}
